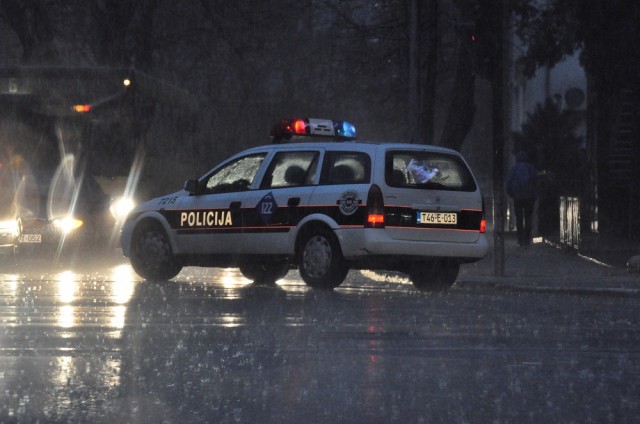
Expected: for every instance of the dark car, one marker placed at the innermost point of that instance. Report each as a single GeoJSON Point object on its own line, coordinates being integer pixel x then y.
{"type": "Point", "coordinates": [66, 212]}
{"type": "Point", "coordinates": [10, 191]}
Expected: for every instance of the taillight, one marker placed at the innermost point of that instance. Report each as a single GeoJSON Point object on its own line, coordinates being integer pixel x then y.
{"type": "Point", "coordinates": [375, 208]}
{"type": "Point", "coordinates": [483, 222]}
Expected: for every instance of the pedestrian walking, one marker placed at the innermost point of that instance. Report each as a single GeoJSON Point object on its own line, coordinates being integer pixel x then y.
{"type": "Point", "coordinates": [522, 182]}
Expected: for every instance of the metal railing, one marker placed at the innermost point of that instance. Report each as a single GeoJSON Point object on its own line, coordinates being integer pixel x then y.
{"type": "Point", "coordinates": [570, 221]}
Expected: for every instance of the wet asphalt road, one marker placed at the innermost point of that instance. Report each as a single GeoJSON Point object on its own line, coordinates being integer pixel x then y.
{"type": "Point", "coordinates": [88, 343]}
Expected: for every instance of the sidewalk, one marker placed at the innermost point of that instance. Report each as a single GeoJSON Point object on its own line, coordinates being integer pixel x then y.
{"type": "Point", "coordinates": [545, 266]}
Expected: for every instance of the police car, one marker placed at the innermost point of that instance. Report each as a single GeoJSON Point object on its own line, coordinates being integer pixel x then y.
{"type": "Point", "coordinates": [322, 206]}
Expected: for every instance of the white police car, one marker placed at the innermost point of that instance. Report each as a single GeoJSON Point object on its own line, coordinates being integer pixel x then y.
{"type": "Point", "coordinates": [325, 207]}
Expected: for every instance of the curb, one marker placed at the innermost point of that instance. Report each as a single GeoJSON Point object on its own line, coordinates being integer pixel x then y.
{"type": "Point", "coordinates": [620, 285]}
{"type": "Point", "coordinates": [580, 255]}
{"type": "Point", "coordinates": [582, 291]}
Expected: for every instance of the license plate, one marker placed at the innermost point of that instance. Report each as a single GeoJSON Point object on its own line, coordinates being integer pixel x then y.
{"type": "Point", "coordinates": [437, 218]}
{"type": "Point", "coordinates": [30, 238]}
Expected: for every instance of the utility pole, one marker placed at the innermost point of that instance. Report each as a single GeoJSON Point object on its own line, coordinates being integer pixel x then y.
{"type": "Point", "coordinates": [498, 121]}
{"type": "Point", "coordinates": [489, 34]}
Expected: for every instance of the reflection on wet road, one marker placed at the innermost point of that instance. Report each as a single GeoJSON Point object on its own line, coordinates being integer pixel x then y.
{"type": "Point", "coordinates": [96, 344]}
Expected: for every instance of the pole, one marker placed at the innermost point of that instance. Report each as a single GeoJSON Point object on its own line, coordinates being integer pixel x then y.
{"type": "Point", "coordinates": [497, 88]}
{"type": "Point", "coordinates": [414, 71]}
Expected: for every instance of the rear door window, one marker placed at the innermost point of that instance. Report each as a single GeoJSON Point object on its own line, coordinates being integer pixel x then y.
{"type": "Point", "coordinates": [346, 168]}
{"type": "Point", "coordinates": [430, 170]}
{"type": "Point", "coordinates": [291, 169]}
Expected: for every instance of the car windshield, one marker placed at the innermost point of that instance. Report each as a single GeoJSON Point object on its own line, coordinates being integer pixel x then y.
{"type": "Point", "coordinates": [235, 176]}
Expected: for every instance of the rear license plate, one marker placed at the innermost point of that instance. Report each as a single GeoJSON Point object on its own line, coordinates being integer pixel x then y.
{"type": "Point", "coordinates": [30, 238]}
{"type": "Point", "coordinates": [437, 218]}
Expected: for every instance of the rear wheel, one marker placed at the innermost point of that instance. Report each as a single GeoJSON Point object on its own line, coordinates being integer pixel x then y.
{"type": "Point", "coordinates": [436, 275]}
{"type": "Point", "coordinates": [264, 271]}
{"type": "Point", "coordinates": [320, 259]}
{"type": "Point", "coordinates": [151, 255]}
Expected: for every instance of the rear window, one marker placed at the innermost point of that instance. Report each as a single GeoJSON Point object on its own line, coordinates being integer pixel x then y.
{"type": "Point", "coordinates": [430, 170]}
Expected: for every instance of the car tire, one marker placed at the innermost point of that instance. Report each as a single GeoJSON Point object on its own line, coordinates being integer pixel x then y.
{"type": "Point", "coordinates": [151, 255]}
{"type": "Point", "coordinates": [264, 272]}
{"type": "Point", "coordinates": [436, 275]}
{"type": "Point", "coordinates": [320, 259]}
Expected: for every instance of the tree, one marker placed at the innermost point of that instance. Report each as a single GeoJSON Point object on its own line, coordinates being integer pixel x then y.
{"type": "Point", "coordinates": [461, 108]}
{"type": "Point", "coordinates": [549, 137]}
{"type": "Point", "coordinates": [418, 37]}
{"type": "Point", "coordinates": [32, 24]}
{"type": "Point", "coordinates": [601, 31]}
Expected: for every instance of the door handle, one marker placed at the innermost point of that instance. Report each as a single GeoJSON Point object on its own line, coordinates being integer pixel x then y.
{"type": "Point", "coordinates": [293, 202]}
{"type": "Point", "coordinates": [293, 211]}
{"type": "Point", "coordinates": [234, 206]}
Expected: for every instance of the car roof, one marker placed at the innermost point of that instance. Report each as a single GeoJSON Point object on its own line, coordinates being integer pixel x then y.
{"type": "Point", "coordinates": [347, 145]}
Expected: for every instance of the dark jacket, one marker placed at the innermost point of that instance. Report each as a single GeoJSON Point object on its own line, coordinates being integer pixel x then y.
{"type": "Point", "coordinates": [522, 180]}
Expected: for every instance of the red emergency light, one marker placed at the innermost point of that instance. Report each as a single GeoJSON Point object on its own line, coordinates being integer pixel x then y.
{"type": "Point", "coordinates": [299, 127]}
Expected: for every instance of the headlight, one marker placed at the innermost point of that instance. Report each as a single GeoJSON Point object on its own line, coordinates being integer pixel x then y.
{"type": "Point", "coordinates": [121, 207]}
{"type": "Point", "coordinates": [10, 227]}
{"type": "Point", "coordinates": [67, 224]}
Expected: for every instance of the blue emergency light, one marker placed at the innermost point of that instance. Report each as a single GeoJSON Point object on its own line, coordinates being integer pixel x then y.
{"type": "Point", "coordinates": [312, 127]}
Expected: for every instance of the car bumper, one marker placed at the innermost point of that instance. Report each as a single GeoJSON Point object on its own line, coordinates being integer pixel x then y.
{"type": "Point", "coordinates": [125, 237]}
{"type": "Point", "coordinates": [360, 243]}
{"type": "Point", "coordinates": [41, 232]}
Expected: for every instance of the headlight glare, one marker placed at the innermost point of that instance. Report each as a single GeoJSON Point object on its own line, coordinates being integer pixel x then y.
{"type": "Point", "coordinates": [121, 207]}
{"type": "Point", "coordinates": [10, 227]}
{"type": "Point", "coordinates": [67, 224]}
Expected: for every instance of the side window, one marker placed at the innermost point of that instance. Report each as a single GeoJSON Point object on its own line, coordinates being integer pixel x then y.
{"type": "Point", "coordinates": [291, 169]}
{"type": "Point", "coordinates": [431, 170]}
{"type": "Point", "coordinates": [346, 168]}
{"type": "Point", "coordinates": [235, 176]}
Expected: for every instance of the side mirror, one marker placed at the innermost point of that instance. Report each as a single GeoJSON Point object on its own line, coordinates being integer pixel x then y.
{"type": "Point", "coordinates": [192, 186]}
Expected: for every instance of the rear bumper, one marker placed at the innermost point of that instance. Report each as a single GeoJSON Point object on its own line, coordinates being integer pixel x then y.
{"type": "Point", "coordinates": [360, 243]}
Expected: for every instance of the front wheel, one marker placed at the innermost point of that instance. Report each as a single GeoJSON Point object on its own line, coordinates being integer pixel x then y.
{"type": "Point", "coordinates": [320, 259]}
{"type": "Point", "coordinates": [435, 275]}
{"type": "Point", "coordinates": [151, 255]}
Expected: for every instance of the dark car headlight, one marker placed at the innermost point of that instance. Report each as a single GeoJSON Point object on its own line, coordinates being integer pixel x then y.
{"type": "Point", "coordinates": [121, 207]}
{"type": "Point", "coordinates": [67, 224]}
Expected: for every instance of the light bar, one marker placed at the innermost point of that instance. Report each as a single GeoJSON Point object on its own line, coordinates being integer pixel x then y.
{"type": "Point", "coordinates": [287, 128]}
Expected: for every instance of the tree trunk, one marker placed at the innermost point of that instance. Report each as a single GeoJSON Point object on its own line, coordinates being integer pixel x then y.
{"type": "Point", "coordinates": [413, 16]}
{"type": "Point", "coordinates": [32, 25]}
{"type": "Point", "coordinates": [462, 105]}
{"type": "Point", "coordinates": [429, 96]}
{"type": "Point", "coordinates": [498, 131]}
